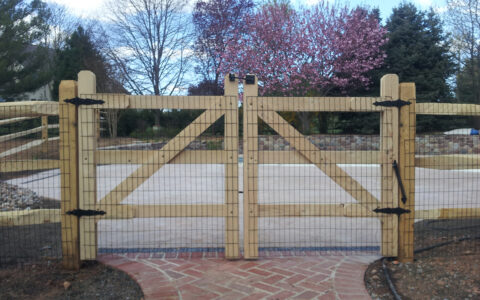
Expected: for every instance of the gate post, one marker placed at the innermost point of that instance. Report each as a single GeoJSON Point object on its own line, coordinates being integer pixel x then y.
{"type": "Point", "coordinates": [250, 170]}
{"type": "Point", "coordinates": [69, 175]}
{"type": "Point", "coordinates": [407, 171]}
{"type": "Point", "coordinates": [389, 131]}
{"type": "Point", "coordinates": [87, 145]}
{"type": "Point", "coordinates": [232, 246]}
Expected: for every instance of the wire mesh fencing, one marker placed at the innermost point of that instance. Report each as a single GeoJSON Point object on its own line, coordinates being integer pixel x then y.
{"type": "Point", "coordinates": [29, 182]}
{"type": "Point", "coordinates": [447, 177]}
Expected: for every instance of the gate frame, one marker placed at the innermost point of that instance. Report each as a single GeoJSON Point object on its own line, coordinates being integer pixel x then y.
{"type": "Point", "coordinates": [391, 139]}
{"type": "Point", "coordinates": [80, 236]}
{"type": "Point", "coordinates": [78, 158]}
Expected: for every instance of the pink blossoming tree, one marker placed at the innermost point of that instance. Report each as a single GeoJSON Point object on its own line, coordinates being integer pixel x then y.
{"type": "Point", "coordinates": [307, 52]}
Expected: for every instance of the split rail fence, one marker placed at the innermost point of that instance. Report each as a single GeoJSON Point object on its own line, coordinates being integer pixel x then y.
{"type": "Point", "coordinates": [251, 211]}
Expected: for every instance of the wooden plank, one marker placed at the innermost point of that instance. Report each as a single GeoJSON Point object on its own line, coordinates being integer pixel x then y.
{"type": "Point", "coordinates": [69, 175]}
{"type": "Point", "coordinates": [28, 109]}
{"type": "Point", "coordinates": [15, 135]}
{"type": "Point", "coordinates": [87, 145]}
{"type": "Point", "coordinates": [25, 147]}
{"type": "Point", "coordinates": [448, 161]}
{"type": "Point", "coordinates": [314, 210]}
{"type": "Point", "coordinates": [155, 102]}
{"type": "Point", "coordinates": [232, 241]}
{"type": "Point", "coordinates": [336, 157]}
{"type": "Point", "coordinates": [129, 211]}
{"type": "Point", "coordinates": [406, 166]}
{"type": "Point", "coordinates": [448, 109]}
{"type": "Point", "coordinates": [29, 217]}
{"type": "Point", "coordinates": [328, 104]}
{"type": "Point", "coordinates": [447, 213]}
{"type": "Point", "coordinates": [389, 127]}
{"type": "Point", "coordinates": [108, 157]}
{"type": "Point", "coordinates": [28, 165]}
{"type": "Point", "coordinates": [319, 158]}
{"type": "Point", "coordinates": [44, 134]}
{"type": "Point", "coordinates": [14, 120]}
{"type": "Point", "coordinates": [162, 157]}
{"type": "Point", "coordinates": [250, 170]}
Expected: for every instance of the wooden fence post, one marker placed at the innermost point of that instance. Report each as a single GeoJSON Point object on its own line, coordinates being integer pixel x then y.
{"type": "Point", "coordinates": [389, 131]}
{"type": "Point", "coordinates": [407, 171]}
{"type": "Point", "coordinates": [250, 170]}
{"type": "Point", "coordinates": [232, 248]}
{"type": "Point", "coordinates": [87, 142]}
{"type": "Point", "coordinates": [44, 134]}
{"type": "Point", "coordinates": [69, 175]}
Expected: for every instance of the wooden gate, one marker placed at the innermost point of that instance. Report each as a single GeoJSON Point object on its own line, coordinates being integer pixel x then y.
{"type": "Point", "coordinates": [150, 161]}
{"type": "Point", "coordinates": [267, 108]}
{"type": "Point", "coordinates": [79, 130]}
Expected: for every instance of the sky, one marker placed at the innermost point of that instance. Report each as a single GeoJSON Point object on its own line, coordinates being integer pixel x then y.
{"type": "Point", "coordinates": [95, 8]}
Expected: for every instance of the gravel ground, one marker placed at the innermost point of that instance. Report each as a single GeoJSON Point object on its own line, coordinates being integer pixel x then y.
{"type": "Point", "coordinates": [50, 281]}
{"type": "Point", "coordinates": [451, 271]}
{"type": "Point", "coordinates": [16, 198]}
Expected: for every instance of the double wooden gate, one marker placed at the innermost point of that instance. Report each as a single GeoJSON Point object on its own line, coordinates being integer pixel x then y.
{"type": "Point", "coordinates": [79, 127]}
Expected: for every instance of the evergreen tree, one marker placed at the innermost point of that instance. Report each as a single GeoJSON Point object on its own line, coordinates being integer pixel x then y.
{"type": "Point", "coordinates": [81, 53]}
{"type": "Point", "coordinates": [23, 59]}
{"type": "Point", "coordinates": [418, 51]}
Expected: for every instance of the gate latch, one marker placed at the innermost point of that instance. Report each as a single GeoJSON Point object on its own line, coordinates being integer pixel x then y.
{"type": "Point", "coordinates": [392, 103]}
{"type": "Point", "coordinates": [388, 210]}
{"type": "Point", "coordinates": [400, 183]}
{"type": "Point", "coordinates": [85, 212]}
{"type": "Point", "coordinates": [83, 101]}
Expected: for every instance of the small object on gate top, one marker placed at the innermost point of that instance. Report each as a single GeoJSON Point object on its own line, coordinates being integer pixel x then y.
{"type": "Point", "coordinates": [249, 79]}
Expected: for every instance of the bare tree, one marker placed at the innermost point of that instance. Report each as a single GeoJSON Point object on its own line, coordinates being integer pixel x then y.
{"type": "Point", "coordinates": [464, 19]}
{"type": "Point", "coordinates": [151, 42]}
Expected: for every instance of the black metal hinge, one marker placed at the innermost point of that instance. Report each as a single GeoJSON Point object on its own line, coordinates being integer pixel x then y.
{"type": "Point", "coordinates": [389, 210]}
{"type": "Point", "coordinates": [249, 79]}
{"type": "Point", "coordinates": [392, 103]}
{"type": "Point", "coordinates": [83, 101]}
{"type": "Point", "coordinates": [85, 212]}
{"type": "Point", "coordinates": [400, 183]}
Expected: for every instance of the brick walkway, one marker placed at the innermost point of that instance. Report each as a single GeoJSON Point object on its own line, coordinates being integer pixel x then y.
{"type": "Point", "coordinates": [194, 276]}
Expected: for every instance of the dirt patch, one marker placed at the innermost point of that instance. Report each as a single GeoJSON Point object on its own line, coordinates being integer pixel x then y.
{"type": "Point", "coordinates": [48, 281]}
{"type": "Point", "coordinates": [450, 271]}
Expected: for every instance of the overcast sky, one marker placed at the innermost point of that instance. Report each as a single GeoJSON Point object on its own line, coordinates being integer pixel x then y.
{"type": "Point", "coordinates": [94, 8]}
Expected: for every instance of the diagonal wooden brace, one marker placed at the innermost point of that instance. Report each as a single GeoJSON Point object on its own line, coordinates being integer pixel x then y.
{"type": "Point", "coordinates": [154, 162]}
{"type": "Point", "coordinates": [321, 160]}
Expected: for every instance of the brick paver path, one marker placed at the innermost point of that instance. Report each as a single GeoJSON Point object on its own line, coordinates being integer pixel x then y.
{"type": "Point", "coordinates": [195, 276]}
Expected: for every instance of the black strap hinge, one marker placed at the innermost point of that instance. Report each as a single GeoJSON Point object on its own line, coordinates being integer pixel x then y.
{"type": "Point", "coordinates": [392, 103]}
{"type": "Point", "coordinates": [389, 210]}
{"type": "Point", "coordinates": [83, 101]}
{"type": "Point", "coordinates": [249, 79]}
{"type": "Point", "coordinates": [85, 212]}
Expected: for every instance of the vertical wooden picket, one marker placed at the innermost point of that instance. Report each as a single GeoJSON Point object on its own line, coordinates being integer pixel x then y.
{"type": "Point", "coordinates": [69, 175]}
{"type": "Point", "coordinates": [407, 171]}
{"type": "Point", "coordinates": [250, 170]}
{"type": "Point", "coordinates": [87, 141]}
{"type": "Point", "coordinates": [232, 247]}
{"type": "Point", "coordinates": [44, 134]}
{"type": "Point", "coordinates": [389, 130]}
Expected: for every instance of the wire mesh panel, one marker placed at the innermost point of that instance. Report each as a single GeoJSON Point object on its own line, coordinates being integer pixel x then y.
{"type": "Point", "coordinates": [315, 178]}
{"type": "Point", "coordinates": [168, 180]}
{"type": "Point", "coordinates": [447, 176]}
{"type": "Point", "coordinates": [29, 181]}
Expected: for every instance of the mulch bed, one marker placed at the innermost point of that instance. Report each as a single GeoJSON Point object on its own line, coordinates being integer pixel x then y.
{"type": "Point", "coordinates": [50, 281]}
{"type": "Point", "coordinates": [450, 271]}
